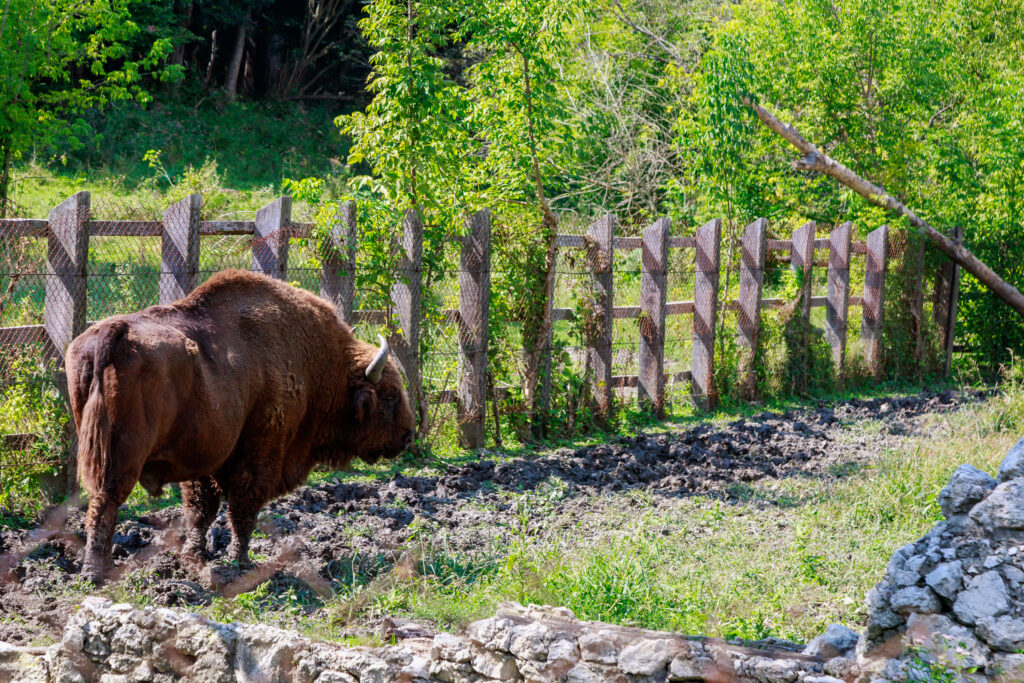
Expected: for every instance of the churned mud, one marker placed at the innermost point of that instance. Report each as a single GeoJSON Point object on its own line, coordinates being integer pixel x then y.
{"type": "Point", "coordinates": [318, 536]}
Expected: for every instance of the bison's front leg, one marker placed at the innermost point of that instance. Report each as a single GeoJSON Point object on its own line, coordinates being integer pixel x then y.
{"type": "Point", "coordinates": [201, 501]}
{"type": "Point", "coordinates": [242, 516]}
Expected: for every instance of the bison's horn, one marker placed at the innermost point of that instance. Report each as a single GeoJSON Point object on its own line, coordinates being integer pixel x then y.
{"type": "Point", "coordinates": [375, 370]}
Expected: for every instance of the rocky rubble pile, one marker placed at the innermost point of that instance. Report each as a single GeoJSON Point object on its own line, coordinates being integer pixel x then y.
{"type": "Point", "coordinates": [118, 644]}
{"type": "Point", "coordinates": [954, 600]}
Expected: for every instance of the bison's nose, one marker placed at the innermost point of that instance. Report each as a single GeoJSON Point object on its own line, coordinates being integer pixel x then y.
{"type": "Point", "coordinates": [409, 436]}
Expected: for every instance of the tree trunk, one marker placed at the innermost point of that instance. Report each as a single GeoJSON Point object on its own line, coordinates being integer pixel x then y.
{"type": "Point", "coordinates": [231, 84]}
{"type": "Point", "coordinates": [814, 160]}
{"type": "Point", "coordinates": [178, 54]}
{"type": "Point", "coordinates": [535, 348]}
{"type": "Point", "coordinates": [213, 58]}
{"type": "Point", "coordinates": [5, 180]}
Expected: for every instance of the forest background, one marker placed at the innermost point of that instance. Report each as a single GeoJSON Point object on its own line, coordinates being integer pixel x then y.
{"type": "Point", "coordinates": [547, 111]}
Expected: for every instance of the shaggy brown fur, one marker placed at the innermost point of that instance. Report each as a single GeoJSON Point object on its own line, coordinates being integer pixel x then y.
{"type": "Point", "coordinates": [236, 391]}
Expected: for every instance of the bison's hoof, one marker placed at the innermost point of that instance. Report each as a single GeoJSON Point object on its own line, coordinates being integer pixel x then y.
{"type": "Point", "coordinates": [197, 551]}
{"type": "Point", "coordinates": [93, 573]}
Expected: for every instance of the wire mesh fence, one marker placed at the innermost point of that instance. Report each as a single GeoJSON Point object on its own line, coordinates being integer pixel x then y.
{"type": "Point", "coordinates": [648, 309]}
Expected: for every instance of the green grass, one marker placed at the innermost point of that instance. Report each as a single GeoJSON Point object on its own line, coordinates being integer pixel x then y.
{"type": "Point", "coordinates": [236, 153]}
{"type": "Point", "coordinates": [783, 558]}
{"type": "Point", "coordinates": [776, 558]}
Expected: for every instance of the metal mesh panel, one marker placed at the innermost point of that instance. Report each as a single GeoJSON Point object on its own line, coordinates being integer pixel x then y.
{"type": "Point", "coordinates": [123, 270]}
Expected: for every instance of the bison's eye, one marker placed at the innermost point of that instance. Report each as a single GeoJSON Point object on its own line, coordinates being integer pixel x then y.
{"type": "Point", "coordinates": [390, 401]}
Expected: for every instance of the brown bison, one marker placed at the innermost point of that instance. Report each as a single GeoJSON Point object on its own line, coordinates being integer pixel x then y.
{"type": "Point", "coordinates": [236, 391]}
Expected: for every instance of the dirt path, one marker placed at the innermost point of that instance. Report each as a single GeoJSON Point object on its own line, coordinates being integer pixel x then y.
{"type": "Point", "coordinates": [319, 533]}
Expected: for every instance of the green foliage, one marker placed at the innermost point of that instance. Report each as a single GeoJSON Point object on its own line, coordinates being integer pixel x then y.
{"type": "Point", "coordinates": [923, 666]}
{"type": "Point", "coordinates": [61, 58]}
{"type": "Point", "coordinates": [444, 144]}
{"type": "Point", "coordinates": [30, 404]}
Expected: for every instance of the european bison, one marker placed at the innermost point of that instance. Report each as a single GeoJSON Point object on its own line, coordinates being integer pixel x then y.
{"type": "Point", "coordinates": [236, 391]}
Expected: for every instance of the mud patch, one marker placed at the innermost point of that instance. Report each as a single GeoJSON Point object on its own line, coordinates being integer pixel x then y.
{"type": "Point", "coordinates": [320, 538]}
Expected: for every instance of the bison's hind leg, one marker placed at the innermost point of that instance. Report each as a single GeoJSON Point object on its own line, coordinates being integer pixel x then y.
{"type": "Point", "coordinates": [201, 501]}
{"type": "Point", "coordinates": [101, 518]}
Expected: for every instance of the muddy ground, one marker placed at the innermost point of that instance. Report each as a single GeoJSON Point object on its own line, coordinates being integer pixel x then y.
{"type": "Point", "coordinates": [319, 535]}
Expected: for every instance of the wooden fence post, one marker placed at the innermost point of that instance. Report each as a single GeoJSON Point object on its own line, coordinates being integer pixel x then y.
{"type": "Point", "coordinates": [65, 303]}
{"type": "Point", "coordinates": [954, 303]}
{"type": "Point", "coordinates": [406, 294]}
{"type": "Point", "coordinates": [873, 307]}
{"type": "Point", "coordinates": [601, 257]}
{"type": "Point", "coordinates": [653, 295]}
{"type": "Point", "coordinates": [179, 251]}
{"type": "Point", "coordinates": [66, 260]}
{"type": "Point", "coordinates": [751, 285]}
{"type": "Point", "coordinates": [705, 314]}
{"type": "Point", "coordinates": [338, 271]}
{"type": "Point", "coordinates": [837, 300]}
{"type": "Point", "coordinates": [944, 304]}
{"type": "Point", "coordinates": [802, 261]}
{"type": "Point", "coordinates": [270, 245]}
{"type": "Point", "coordinates": [474, 309]}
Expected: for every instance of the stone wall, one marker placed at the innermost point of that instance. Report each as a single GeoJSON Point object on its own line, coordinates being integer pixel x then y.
{"type": "Point", "coordinates": [118, 644]}
{"type": "Point", "coordinates": [954, 600]}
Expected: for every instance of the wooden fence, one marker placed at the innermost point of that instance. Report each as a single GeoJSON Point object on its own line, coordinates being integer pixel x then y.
{"type": "Point", "coordinates": [70, 227]}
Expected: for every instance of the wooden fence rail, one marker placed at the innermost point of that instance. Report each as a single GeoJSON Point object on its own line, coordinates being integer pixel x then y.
{"type": "Point", "coordinates": [69, 228]}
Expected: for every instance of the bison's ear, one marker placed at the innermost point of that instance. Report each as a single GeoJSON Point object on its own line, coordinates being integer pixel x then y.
{"type": "Point", "coordinates": [365, 403]}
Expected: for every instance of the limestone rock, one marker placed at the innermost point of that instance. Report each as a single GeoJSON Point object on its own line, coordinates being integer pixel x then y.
{"type": "Point", "coordinates": [946, 579]}
{"type": "Point", "coordinates": [946, 640]}
{"type": "Point", "coordinates": [1012, 466]}
{"type": "Point", "coordinates": [881, 616]}
{"type": "Point", "coordinates": [599, 647]}
{"type": "Point", "coordinates": [531, 641]}
{"type": "Point", "coordinates": [451, 647]}
{"type": "Point", "coordinates": [1004, 633]}
{"type": "Point", "coordinates": [693, 668]}
{"type": "Point", "coordinates": [986, 597]}
{"type": "Point", "coordinates": [588, 672]}
{"type": "Point", "coordinates": [645, 657]}
{"type": "Point", "coordinates": [495, 665]}
{"type": "Point", "coordinates": [1007, 668]}
{"type": "Point", "coordinates": [1003, 508]}
{"type": "Point", "coordinates": [837, 640]}
{"type": "Point", "coordinates": [19, 664]}
{"type": "Point", "coordinates": [913, 599]}
{"type": "Point", "coordinates": [965, 489]}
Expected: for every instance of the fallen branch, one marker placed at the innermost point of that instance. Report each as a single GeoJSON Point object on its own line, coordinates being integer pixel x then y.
{"type": "Point", "coordinates": [815, 160]}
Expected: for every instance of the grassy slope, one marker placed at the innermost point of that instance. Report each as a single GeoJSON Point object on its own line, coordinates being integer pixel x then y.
{"type": "Point", "coordinates": [245, 150]}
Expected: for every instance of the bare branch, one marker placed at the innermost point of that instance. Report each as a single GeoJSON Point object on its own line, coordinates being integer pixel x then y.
{"type": "Point", "coordinates": [665, 45]}
{"type": "Point", "coordinates": [815, 160]}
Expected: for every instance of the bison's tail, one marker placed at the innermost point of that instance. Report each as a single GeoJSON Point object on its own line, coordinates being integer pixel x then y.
{"type": "Point", "coordinates": [94, 458]}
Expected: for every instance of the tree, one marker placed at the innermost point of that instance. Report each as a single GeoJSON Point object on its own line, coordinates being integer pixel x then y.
{"type": "Point", "coordinates": [59, 58]}
{"type": "Point", "coordinates": [518, 96]}
{"type": "Point", "coordinates": [443, 146]}
{"type": "Point", "coordinates": [412, 136]}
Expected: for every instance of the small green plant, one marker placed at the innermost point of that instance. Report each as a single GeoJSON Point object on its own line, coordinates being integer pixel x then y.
{"type": "Point", "coordinates": [924, 667]}
{"type": "Point", "coordinates": [34, 416]}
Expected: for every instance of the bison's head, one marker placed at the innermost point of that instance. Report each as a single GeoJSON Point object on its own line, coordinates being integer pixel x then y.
{"type": "Point", "coordinates": [384, 421]}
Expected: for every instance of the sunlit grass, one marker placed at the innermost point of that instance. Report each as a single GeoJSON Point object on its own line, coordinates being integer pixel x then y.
{"type": "Point", "coordinates": [781, 558]}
